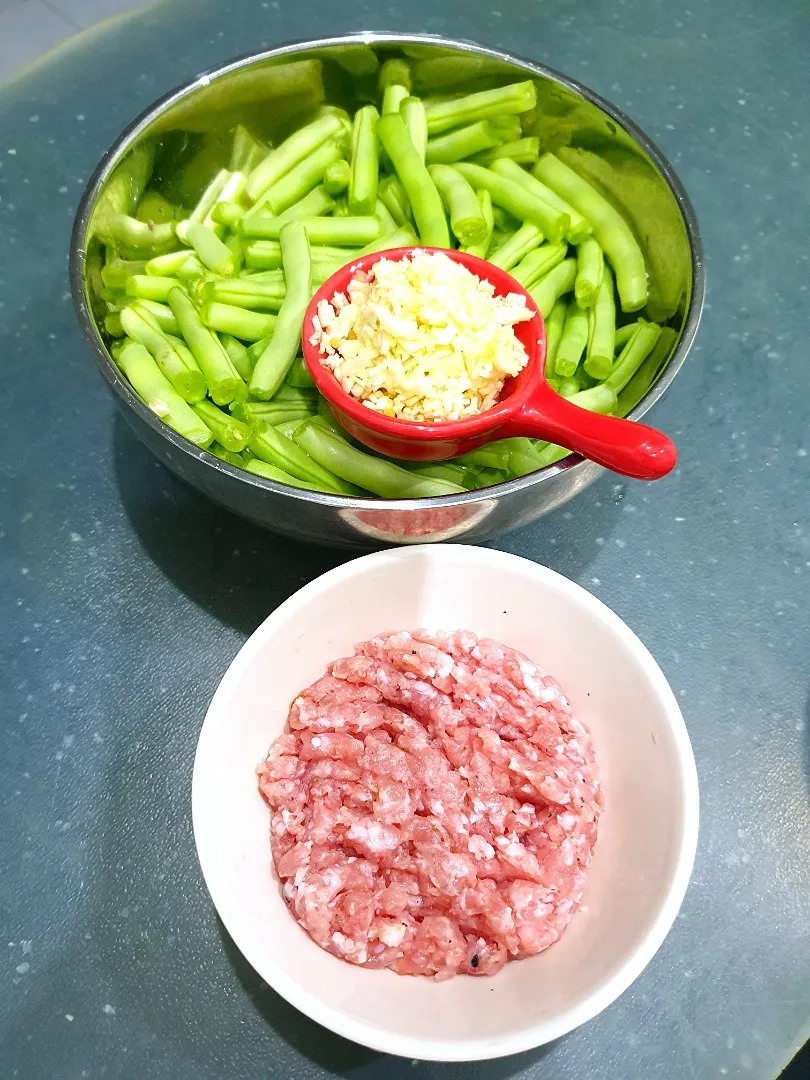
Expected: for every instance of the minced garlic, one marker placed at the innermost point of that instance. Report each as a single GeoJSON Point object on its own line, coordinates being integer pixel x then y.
{"type": "Point", "coordinates": [422, 338]}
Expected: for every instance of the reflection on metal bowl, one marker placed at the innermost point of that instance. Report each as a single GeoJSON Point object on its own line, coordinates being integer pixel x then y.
{"type": "Point", "coordinates": [265, 91]}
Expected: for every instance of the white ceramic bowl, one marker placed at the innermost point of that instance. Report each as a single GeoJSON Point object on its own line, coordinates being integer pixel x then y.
{"type": "Point", "coordinates": [647, 834]}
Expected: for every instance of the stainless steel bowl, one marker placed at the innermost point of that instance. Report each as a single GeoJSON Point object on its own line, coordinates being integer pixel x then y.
{"type": "Point", "coordinates": [570, 119]}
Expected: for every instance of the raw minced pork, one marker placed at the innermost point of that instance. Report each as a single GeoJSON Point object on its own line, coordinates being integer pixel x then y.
{"type": "Point", "coordinates": [434, 806]}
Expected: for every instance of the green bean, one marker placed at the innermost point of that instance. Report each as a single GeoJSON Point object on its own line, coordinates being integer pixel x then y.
{"type": "Point", "coordinates": [424, 199]}
{"type": "Point", "coordinates": [494, 455]}
{"type": "Point", "coordinates": [555, 284]}
{"type": "Point", "coordinates": [238, 354]}
{"type": "Point", "coordinates": [230, 319]}
{"type": "Point", "coordinates": [602, 338]}
{"type": "Point", "coordinates": [298, 395]}
{"type": "Point", "coordinates": [270, 472]}
{"type": "Point", "coordinates": [161, 265]}
{"type": "Point", "coordinates": [265, 295]}
{"type": "Point", "coordinates": [187, 380]}
{"type": "Point", "coordinates": [228, 431]}
{"type": "Point", "coordinates": [160, 315]}
{"type": "Point", "coordinates": [113, 325]}
{"type": "Point", "coordinates": [342, 232]}
{"type": "Point", "coordinates": [623, 335]}
{"type": "Point", "coordinates": [579, 227]}
{"type": "Point", "coordinates": [297, 148]}
{"type": "Point", "coordinates": [466, 219]}
{"type": "Point", "coordinates": [554, 328]}
{"type": "Point", "coordinates": [377, 475]}
{"type": "Point", "coordinates": [573, 341]}
{"type": "Point", "coordinates": [517, 247]}
{"type": "Point", "coordinates": [224, 383]}
{"type": "Point", "coordinates": [299, 375]}
{"type": "Point", "coordinates": [387, 223]}
{"type": "Point", "coordinates": [277, 358]}
{"type": "Point", "coordinates": [228, 214]}
{"type": "Point", "coordinates": [456, 145]}
{"type": "Point", "coordinates": [515, 199]}
{"type": "Point", "coordinates": [648, 372]}
{"type": "Point", "coordinates": [255, 350]}
{"type": "Point", "coordinates": [516, 98]}
{"type": "Point", "coordinates": [412, 111]}
{"type": "Point", "coordinates": [260, 414]}
{"type": "Point", "coordinates": [206, 202]}
{"type": "Point", "coordinates": [395, 72]}
{"type": "Point", "coordinates": [145, 287]}
{"type": "Point", "coordinates": [271, 446]}
{"type": "Point", "coordinates": [365, 167]}
{"type": "Point", "coordinates": [289, 427]}
{"type": "Point", "coordinates": [192, 268]}
{"type": "Point", "coordinates": [632, 356]}
{"type": "Point", "coordinates": [398, 239]}
{"type": "Point", "coordinates": [393, 196]}
{"type": "Point", "coordinates": [210, 250]}
{"type": "Point", "coordinates": [336, 177]}
{"type": "Point", "coordinates": [393, 96]}
{"type": "Point", "coordinates": [590, 267]}
{"type": "Point", "coordinates": [508, 127]}
{"type": "Point", "coordinates": [481, 249]}
{"type": "Point", "coordinates": [299, 181]}
{"type": "Point", "coordinates": [504, 221]}
{"type": "Point", "coordinates": [116, 272]}
{"type": "Point", "coordinates": [521, 151]}
{"type": "Point", "coordinates": [158, 394]}
{"type": "Point", "coordinates": [538, 263]}
{"type": "Point", "coordinates": [246, 150]}
{"type": "Point", "coordinates": [239, 461]}
{"type": "Point", "coordinates": [609, 228]}
{"type": "Point", "coordinates": [569, 385]}
{"type": "Point", "coordinates": [128, 235]}
{"type": "Point", "coordinates": [598, 399]}
{"type": "Point", "coordinates": [450, 471]}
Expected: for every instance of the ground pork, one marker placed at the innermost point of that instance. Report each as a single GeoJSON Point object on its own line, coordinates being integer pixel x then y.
{"type": "Point", "coordinates": [434, 806]}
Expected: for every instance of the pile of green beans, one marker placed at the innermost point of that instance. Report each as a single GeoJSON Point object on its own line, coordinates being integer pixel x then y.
{"type": "Point", "coordinates": [205, 303]}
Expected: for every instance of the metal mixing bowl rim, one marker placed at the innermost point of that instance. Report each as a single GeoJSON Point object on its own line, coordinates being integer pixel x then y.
{"type": "Point", "coordinates": [141, 123]}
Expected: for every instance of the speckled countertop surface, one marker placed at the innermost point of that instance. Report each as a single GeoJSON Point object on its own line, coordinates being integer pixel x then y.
{"type": "Point", "coordinates": [123, 595]}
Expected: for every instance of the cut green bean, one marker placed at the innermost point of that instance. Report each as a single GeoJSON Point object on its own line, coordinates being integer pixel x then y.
{"type": "Point", "coordinates": [158, 394]}
{"type": "Point", "coordinates": [609, 228]}
{"type": "Point", "coordinates": [398, 239]}
{"type": "Point", "coordinates": [289, 427]}
{"type": "Point", "coordinates": [395, 72]}
{"type": "Point", "coordinates": [632, 356]}
{"type": "Point", "coordinates": [243, 324]}
{"type": "Point", "coordinates": [598, 399]}
{"type": "Point", "coordinates": [260, 414]}
{"type": "Point", "coordinates": [504, 221]}
{"type": "Point", "coordinates": [517, 247]}
{"type": "Point", "coordinates": [265, 295]}
{"type": "Point", "coordinates": [579, 227]}
{"type": "Point", "coordinates": [515, 98]}
{"type": "Point", "coordinates": [590, 267]}
{"type": "Point", "coordinates": [466, 219]}
{"type": "Point", "coordinates": [554, 328]}
{"type": "Point", "coordinates": [393, 196]}
{"type": "Point", "coordinates": [623, 335]}
{"type": "Point", "coordinates": [224, 383]}
{"type": "Point", "coordinates": [516, 200]}
{"type": "Point", "coordinates": [116, 272]}
{"type": "Point", "coordinates": [239, 461]}
{"type": "Point", "coordinates": [481, 249]}
{"type": "Point", "coordinates": [238, 354]}
{"type": "Point", "coordinates": [160, 315]}
{"type": "Point", "coordinates": [573, 341]}
{"type": "Point", "coordinates": [457, 145]}
{"type": "Point", "coordinates": [228, 214]}
{"type": "Point", "coordinates": [602, 338]}
{"type": "Point", "coordinates": [299, 375]}
{"type": "Point", "coordinates": [555, 284]}
{"type": "Point", "coordinates": [365, 168]}
{"type": "Point", "coordinates": [377, 475]}
{"type": "Point", "coordinates": [295, 394]}
{"type": "Point", "coordinates": [538, 263]}
{"type": "Point", "coordinates": [413, 116]}
{"type": "Point", "coordinates": [113, 325]}
{"type": "Point", "coordinates": [145, 287]}
{"type": "Point", "coordinates": [342, 232]}
{"type": "Point", "coordinates": [228, 430]}
{"type": "Point", "coordinates": [163, 265]}
{"type": "Point", "coordinates": [336, 177]}
{"type": "Point", "coordinates": [508, 127]}
{"type": "Point", "coordinates": [392, 99]}
{"type": "Point", "coordinates": [132, 237]}
{"type": "Point", "coordinates": [210, 250]}
{"type": "Point", "coordinates": [271, 446]}
{"type": "Point", "coordinates": [387, 222]}
{"type": "Point", "coordinates": [569, 385]}
{"type": "Point", "coordinates": [271, 472]}
{"type": "Point", "coordinates": [420, 189]}
{"type": "Point", "coordinates": [299, 146]}
{"type": "Point", "coordinates": [648, 372]}
{"type": "Point", "coordinates": [274, 363]}
{"type": "Point", "coordinates": [191, 269]}
{"type": "Point", "coordinates": [187, 380]}
{"type": "Point", "coordinates": [521, 151]}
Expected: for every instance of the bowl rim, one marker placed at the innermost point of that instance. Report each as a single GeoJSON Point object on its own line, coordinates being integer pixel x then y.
{"type": "Point", "coordinates": [636, 961]}
{"type": "Point", "coordinates": [138, 126]}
